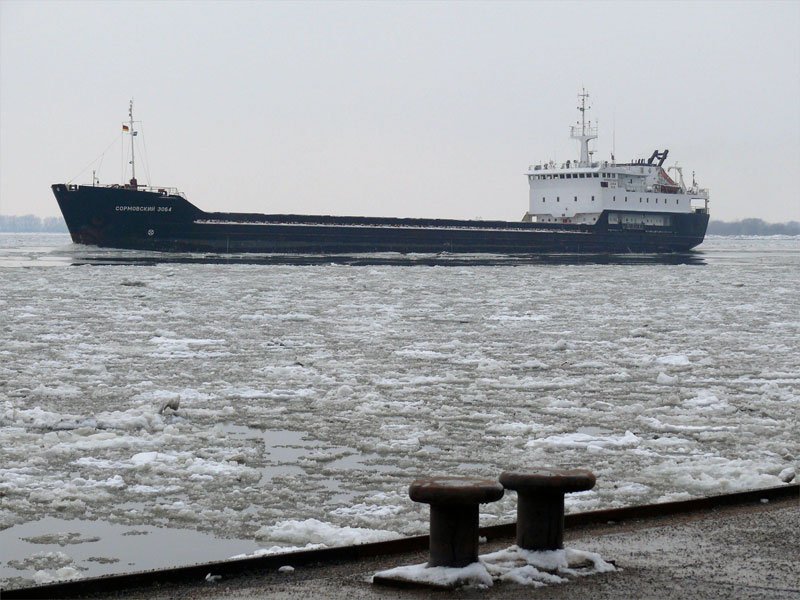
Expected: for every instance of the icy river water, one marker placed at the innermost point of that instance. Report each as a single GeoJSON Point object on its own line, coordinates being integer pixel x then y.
{"type": "Point", "coordinates": [310, 394]}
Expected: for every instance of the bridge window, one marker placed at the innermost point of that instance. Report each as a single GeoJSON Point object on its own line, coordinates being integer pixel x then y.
{"type": "Point", "coordinates": [576, 198]}
{"type": "Point", "coordinates": [558, 198]}
{"type": "Point", "coordinates": [592, 198]}
{"type": "Point", "coordinates": [542, 199]}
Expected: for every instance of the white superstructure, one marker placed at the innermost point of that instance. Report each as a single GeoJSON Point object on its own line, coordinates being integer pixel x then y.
{"type": "Point", "coordinates": [578, 191]}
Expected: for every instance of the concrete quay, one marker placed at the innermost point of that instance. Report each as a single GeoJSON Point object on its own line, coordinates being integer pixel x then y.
{"type": "Point", "coordinates": [749, 549]}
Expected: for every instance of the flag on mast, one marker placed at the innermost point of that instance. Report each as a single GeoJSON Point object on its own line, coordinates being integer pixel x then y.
{"type": "Point", "coordinates": [125, 128]}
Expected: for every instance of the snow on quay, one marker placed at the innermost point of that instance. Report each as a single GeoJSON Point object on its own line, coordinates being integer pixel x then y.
{"type": "Point", "coordinates": [309, 397]}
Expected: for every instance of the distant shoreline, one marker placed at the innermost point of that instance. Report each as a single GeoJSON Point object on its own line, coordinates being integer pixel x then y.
{"type": "Point", "coordinates": [753, 227]}
{"type": "Point", "coordinates": [32, 224]}
{"type": "Point", "coordinates": [757, 227]}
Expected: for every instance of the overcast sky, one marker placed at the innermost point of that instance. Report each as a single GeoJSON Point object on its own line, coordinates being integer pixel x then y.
{"type": "Point", "coordinates": [396, 109]}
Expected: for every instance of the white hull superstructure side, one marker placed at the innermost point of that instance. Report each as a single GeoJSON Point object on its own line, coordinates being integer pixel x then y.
{"type": "Point", "coordinates": [579, 191]}
{"type": "Point", "coordinates": [581, 194]}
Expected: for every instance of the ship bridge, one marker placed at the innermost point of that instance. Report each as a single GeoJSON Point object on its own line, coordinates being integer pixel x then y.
{"type": "Point", "coordinates": [578, 191]}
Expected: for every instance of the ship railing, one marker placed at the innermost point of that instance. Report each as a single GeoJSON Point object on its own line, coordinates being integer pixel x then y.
{"type": "Point", "coordinates": [158, 189]}
{"type": "Point", "coordinates": [164, 191]}
{"type": "Point", "coordinates": [697, 207]}
{"type": "Point", "coordinates": [588, 131]}
{"type": "Point", "coordinates": [153, 189]}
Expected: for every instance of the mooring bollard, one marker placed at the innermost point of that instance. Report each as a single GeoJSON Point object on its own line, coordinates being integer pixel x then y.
{"type": "Point", "coordinates": [540, 503]}
{"type": "Point", "coordinates": [454, 515]}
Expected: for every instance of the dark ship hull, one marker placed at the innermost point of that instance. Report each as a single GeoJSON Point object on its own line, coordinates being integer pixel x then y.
{"type": "Point", "coordinates": [124, 217]}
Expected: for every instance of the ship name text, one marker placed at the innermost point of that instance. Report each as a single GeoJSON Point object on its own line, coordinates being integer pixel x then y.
{"type": "Point", "coordinates": [143, 208]}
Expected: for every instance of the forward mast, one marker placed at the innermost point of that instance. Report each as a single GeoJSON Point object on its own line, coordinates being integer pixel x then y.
{"type": "Point", "coordinates": [132, 132]}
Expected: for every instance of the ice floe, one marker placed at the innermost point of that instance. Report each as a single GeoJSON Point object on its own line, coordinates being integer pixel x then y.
{"type": "Point", "coordinates": [325, 534]}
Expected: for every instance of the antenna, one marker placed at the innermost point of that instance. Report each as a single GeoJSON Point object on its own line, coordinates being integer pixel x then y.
{"type": "Point", "coordinates": [613, 136]}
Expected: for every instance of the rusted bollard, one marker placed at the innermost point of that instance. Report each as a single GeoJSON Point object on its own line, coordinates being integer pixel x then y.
{"type": "Point", "coordinates": [540, 503]}
{"type": "Point", "coordinates": [454, 515]}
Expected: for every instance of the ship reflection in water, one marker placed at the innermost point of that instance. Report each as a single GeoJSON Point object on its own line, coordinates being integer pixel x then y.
{"type": "Point", "coordinates": [122, 257]}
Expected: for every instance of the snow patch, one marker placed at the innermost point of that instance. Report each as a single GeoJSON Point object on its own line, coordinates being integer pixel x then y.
{"type": "Point", "coordinates": [514, 564]}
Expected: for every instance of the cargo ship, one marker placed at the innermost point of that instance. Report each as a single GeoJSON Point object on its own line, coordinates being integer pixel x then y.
{"type": "Point", "coordinates": [579, 206]}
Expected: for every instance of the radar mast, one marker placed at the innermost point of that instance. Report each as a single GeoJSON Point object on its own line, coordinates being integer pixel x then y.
{"type": "Point", "coordinates": [585, 131]}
